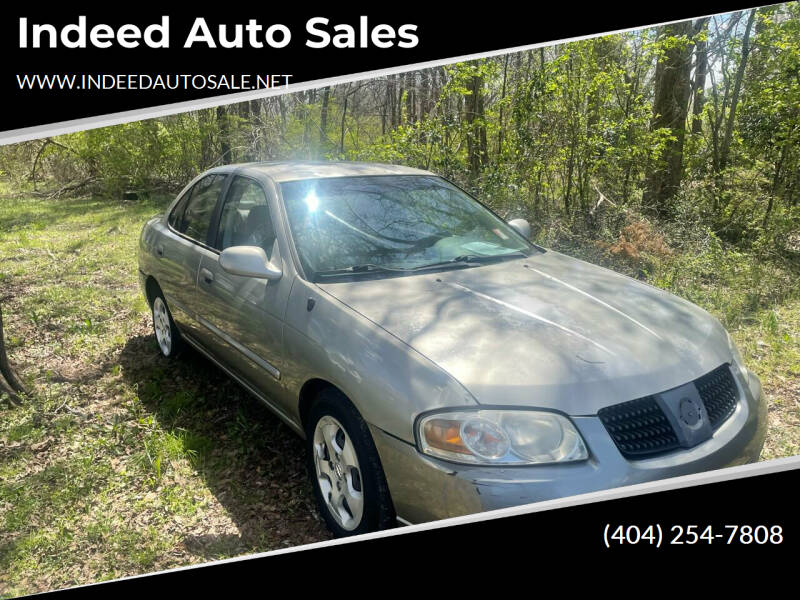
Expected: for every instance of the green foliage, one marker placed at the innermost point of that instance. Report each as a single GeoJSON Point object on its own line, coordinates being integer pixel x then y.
{"type": "Point", "coordinates": [540, 134]}
{"type": "Point", "coordinates": [119, 463]}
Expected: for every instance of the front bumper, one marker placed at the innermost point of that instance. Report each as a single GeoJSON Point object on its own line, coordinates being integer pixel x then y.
{"type": "Point", "coordinates": [426, 489]}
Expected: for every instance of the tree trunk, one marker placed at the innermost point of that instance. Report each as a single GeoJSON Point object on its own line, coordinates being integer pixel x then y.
{"type": "Point", "coordinates": [476, 130]}
{"type": "Point", "coordinates": [204, 118]}
{"type": "Point", "coordinates": [426, 88]}
{"type": "Point", "coordinates": [400, 91]}
{"type": "Point", "coordinates": [670, 110]}
{"type": "Point", "coordinates": [391, 94]}
{"type": "Point", "coordinates": [342, 128]}
{"type": "Point", "coordinates": [773, 192]}
{"type": "Point", "coordinates": [500, 117]}
{"type": "Point", "coordinates": [700, 72]}
{"type": "Point", "coordinates": [323, 117]}
{"type": "Point", "coordinates": [10, 384]}
{"type": "Point", "coordinates": [307, 124]}
{"type": "Point", "coordinates": [737, 88]}
{"type": "Point", "coordinates": [46, 143]}
{"type": "Point", "coordinates": [411, 97]}
{"type": "Point", "coordinates": [384, 109]}
{"type": "Point", "coordinates": [224, 134]}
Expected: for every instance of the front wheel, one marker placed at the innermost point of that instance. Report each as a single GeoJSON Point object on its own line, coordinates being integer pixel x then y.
{"type": "Point", "coordinates": [346, 473]}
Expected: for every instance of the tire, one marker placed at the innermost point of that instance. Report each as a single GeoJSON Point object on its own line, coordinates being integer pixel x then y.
{"type": "Point", "coordinates": [168, 338]}
{"type": "Point", "coordinates": [345, 470]}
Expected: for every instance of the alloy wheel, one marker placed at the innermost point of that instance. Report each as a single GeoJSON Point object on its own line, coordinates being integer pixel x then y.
{"type": "Point", "coordinates": [162, 326]}
{"type": "Point", "coordinates": [338, 473]}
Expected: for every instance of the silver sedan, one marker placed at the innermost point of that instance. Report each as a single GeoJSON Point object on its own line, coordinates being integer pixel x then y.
{"type": "Point", "coordinates": [436, 362]}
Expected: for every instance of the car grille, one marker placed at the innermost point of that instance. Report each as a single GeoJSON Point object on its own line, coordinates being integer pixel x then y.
{"type": "Point", "coordinates": [640, 428]}
{"type": "Point", "coordinates": [718, 391]}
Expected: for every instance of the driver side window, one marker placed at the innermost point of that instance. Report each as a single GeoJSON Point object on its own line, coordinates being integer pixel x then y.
{"type": "Point", "coordinates": [245, 219]}
{"type": "Point", "coordinates": [192, 214]}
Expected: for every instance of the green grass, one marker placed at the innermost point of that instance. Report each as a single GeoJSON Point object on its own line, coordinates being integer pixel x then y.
{"type": "Point", "coordinates": [757, 298]}
{"type": "Point", "coordinates": [123, 462]}
{"type": "Point", "coordinates": [758, 301]}
{"type": "Point", "coordinates": [770, 345]}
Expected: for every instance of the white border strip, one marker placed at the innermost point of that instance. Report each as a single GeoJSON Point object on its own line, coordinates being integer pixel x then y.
{"type": "Point", "coordinates": [729, 474]}
{"type": "Point", "coordinates": [14, 136]}
{"type": "Point", "coordinates": [777, 465]}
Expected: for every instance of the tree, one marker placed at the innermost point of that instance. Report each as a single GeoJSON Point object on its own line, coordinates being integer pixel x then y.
{"type": "Point", "coordinates": [737, 88]}
{"type": "Point", "coordinates": [535, 133]}
{"type": "Point", "coordinates": [769, 121]}
{"type": "Point", "coordinates": [223, 121]}
{"type": "Point", "coordinates": [700, 73]}
{"type": "Point", "coordinates": [670, 109]}
{"type": "Point", "coordinates": [477, 146]}
{"type": "Point", "coordinates": [323, 119]}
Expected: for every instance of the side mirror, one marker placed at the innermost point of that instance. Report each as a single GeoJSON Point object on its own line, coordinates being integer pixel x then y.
{"type": "Point", "coordinates": [522, 227]}
{"type": "Point", "coordinates": [248, 261]}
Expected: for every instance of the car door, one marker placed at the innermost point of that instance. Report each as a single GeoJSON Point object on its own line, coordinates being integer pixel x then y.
{"type": "Point", "coordinates": [244, 315]}
{"type": "Point", "coordinates": [178, 251]}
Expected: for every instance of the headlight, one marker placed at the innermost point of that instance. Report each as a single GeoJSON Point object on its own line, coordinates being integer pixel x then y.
{"type": "Point", "coordinates": [738, 363]}
{"type": "Point", "coordinates": [501, 437]}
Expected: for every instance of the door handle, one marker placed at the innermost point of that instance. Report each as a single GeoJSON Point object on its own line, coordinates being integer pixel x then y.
{"type": "Point", "coordinates": [160, 250]}
{"type": "Point", "coordinates": [207, 275]}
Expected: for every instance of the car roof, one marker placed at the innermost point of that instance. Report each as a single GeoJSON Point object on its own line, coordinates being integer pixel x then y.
{"type": "Point", "coordinates": [280, 171]}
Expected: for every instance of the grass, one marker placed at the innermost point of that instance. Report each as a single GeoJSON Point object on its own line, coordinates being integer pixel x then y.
{"type": "Point", "coordinates": [770, 345]}
{"type": "Point", "coordinates": [758, 301]}
{"type": "Point", "coordinates": [123, 462]}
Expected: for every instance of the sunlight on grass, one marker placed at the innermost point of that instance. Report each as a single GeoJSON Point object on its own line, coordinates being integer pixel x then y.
{"type": "Point", "coordinates": [123, 462]}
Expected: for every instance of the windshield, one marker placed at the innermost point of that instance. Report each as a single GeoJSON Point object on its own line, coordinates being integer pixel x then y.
{"type": "Point", "coordinates": [397, 222]}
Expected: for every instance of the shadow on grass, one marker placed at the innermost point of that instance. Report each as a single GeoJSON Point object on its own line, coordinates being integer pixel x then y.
{"type": "Point", "coordinates": [252, 463]}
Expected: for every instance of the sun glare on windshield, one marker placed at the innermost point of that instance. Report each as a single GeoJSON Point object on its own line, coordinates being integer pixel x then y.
{"type": "Point", "coordinates": [397, 223]}
{"type": "Point", "coordinates": [312, 201]}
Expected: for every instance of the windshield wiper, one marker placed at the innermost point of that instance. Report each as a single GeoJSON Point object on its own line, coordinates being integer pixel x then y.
{"type": "Point", "coordinates": [357, 269]}
{"type": "Point", "coordinates": [467, 259]}
{"type": "Point", "coordinates": [464, 260]}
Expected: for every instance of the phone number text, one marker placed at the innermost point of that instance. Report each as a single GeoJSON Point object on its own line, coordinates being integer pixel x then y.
{"type": "Point", "coordinates": [676, 535]}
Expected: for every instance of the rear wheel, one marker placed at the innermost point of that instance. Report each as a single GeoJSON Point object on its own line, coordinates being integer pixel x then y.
{"type": "Point", "coordinates": [346, 472]}
{"type": "Point", "coordinates": [167, 335]}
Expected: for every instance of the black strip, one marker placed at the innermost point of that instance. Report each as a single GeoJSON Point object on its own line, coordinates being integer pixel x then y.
{"type": "Point", "coordinates": [453, 32]}
{"type": "Point", "coordinates": [563, 548]}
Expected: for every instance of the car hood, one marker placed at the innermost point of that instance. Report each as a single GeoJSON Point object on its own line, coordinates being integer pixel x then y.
{"type": "Point", "coordinates": [546, 331]}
